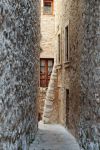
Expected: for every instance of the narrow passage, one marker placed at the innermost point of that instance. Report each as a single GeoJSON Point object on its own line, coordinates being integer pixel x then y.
{"type": "Point", "coordinates": [53, 137]}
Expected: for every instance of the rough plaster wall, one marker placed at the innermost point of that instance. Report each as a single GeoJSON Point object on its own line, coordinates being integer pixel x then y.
{"type": "Point", "coordinates": [19, 60]}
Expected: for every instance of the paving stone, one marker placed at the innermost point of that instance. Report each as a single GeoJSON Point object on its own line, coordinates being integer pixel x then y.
{"type": "Point", "coordinates": [53, 137]}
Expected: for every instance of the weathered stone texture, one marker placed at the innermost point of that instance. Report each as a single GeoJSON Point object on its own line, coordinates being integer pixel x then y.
{"type": "Point", "coordinates": [75, 44]}
{"type": "Point", "coordinates": [47, 47]}
{"type": "Point", "coordinates": [50, 114]}
{"type": "Point", "coordinates": [81, 75]}
{"type": "Point", "coordinates": [90, 77]}
{"type": "Point", "coordinates": [62, 21]}
{"type": "Point", "coordinates": [41, 101]}
{"type": "Point", "coordinates": [19, 62]}
{"type": "Point", "coordinates": [47, 34]}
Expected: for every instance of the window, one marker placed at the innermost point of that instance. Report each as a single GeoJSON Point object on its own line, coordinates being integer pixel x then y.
{"type": "Point", "coordinates": [59, 49]}
{"type": "Point", "coordinates": [48, 7]}
{"type": "Point", "coordinates": [66, 44]}
{"type": "Point", "coordinates": [46, 66]}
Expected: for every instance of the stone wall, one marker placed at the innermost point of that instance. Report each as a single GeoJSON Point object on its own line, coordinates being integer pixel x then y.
{"type": "Point", "coordinates": [80, 112]}
{"type": "Point", "coordinates": [81, 74]}
{"type": "Point", "coordinates": [84, 72]}
{"type": "Point", "coordinates": [75, 44]}
{"type": "Point", "coordinates": [19, 63]}
{"type": "Point", "coordinates": [41, 98]}
{"type": "Point", "coordinates": [90, 77]}
{"type": "Point", "coordinates": [50, 114]}
{"type": "Point", "coordinates": [47, 34]}
{"type": "Point", "coordinates": [47, 47]}
{"type": "Point", "coordinates": [63, 67]}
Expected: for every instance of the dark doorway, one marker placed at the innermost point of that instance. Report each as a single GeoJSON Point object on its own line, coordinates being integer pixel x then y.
{"type": "Point", "coordinates": [67, 106]}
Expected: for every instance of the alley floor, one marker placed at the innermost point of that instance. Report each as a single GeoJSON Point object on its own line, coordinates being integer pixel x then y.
{"type": "Point", "coordinates": [53, 137]}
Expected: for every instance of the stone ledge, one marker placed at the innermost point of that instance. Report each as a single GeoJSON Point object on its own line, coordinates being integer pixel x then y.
{"type": "Point", "coordinates": [66, 64]}
{"type": "Point", "coordinates": [59, 66]}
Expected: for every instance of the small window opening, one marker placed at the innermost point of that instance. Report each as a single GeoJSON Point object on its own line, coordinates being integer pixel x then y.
{"type": "Point", "coordinates": [59, 49]}
{"type": "Point", "coordinates": [48, 7]}
{"type": "Point", "coordinates": [66, 44]}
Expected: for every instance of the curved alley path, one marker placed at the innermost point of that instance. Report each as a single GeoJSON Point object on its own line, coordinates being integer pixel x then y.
{"type": "Point", "coordinates": [53, 137]}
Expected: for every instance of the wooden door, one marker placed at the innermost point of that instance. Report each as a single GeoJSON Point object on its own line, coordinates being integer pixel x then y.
{"type": "Point", "coordinates": [46, 66]}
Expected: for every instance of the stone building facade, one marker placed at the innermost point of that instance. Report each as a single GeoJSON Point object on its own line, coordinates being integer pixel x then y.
{"type": "Point", "coordinates": [19, 65]}
{"type": "Point", "coordinates": [47, 48]}
{"type": "Point", "coordinates": [47, 31]}
{"type": "Point", "coordinates": [77, 48]}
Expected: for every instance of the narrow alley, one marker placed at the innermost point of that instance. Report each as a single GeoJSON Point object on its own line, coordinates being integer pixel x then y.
{"type": "Point", "coordinates": [49, 74]}
{"type": "Point", "coordinates": [53, 137]}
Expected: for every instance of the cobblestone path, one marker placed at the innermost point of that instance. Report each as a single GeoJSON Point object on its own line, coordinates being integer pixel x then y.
{"type": "Point", "coordinates": [53, 137]}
